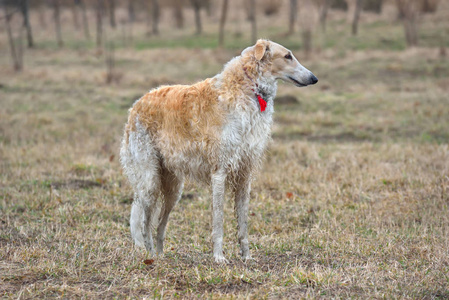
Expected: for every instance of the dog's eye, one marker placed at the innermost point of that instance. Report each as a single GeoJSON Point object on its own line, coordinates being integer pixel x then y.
{"type": "Point", "coordinates": [288, 56]}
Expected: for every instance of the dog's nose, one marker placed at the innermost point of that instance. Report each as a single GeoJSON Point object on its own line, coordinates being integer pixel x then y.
{"type": "Point", "coordinates": [313, 79]}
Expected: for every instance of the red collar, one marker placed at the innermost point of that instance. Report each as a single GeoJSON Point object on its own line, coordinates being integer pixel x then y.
{"type": "Point", "coordinates": [262, 102]}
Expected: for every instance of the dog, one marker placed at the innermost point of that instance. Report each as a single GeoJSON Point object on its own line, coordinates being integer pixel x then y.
{"type": "Point", "coordinates": [214, 131]}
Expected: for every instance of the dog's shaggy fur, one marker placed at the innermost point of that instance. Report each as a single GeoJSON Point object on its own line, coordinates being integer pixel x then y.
{"type": "Point", "coordinates": [213, 131]}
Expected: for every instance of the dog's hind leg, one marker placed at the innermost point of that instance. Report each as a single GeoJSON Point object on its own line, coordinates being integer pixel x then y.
{"type": "Point", "coordinates": [136, 222]}
{"type": "Point", "coordinates": [242, 195]}
{"type": "Point", "coordinates": [171, 187]}
{"type": "Point", "coordinates": [142, 164]}
{"type": "Point", "coordinates": [142, 210]}
{"type": "Point", "coordinates": [145, 178]}
{"type": "Point", "coordinates": [148, 208]}
{"type": "Point", "coordinates": [218, 194]}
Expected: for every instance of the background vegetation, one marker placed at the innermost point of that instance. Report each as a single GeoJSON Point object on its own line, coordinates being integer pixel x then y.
{"type": "Point", "coordinates": [352, 200]}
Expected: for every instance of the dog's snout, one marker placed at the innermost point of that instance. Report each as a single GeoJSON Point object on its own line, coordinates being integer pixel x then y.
{"type": "Point", "coordinates": [313, 79]}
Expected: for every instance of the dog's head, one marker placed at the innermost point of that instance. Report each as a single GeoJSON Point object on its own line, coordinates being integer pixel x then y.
{"type": "Point", "coordinates": [282, 62]}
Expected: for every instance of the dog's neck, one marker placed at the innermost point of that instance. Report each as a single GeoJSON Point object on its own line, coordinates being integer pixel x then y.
{"type": "Point", "coordinates": [257, 80]}
{"type": "Point", "coordinates": [266, 87]}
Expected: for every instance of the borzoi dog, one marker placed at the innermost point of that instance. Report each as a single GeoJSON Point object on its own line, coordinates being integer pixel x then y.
{"type": "Point", "coordinates": [214, 131]}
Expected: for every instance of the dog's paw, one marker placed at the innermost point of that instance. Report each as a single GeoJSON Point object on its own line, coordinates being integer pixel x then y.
{"type": "Point", "coordinates": [247, 258]}
{"type": "Point", "coordinates": [220, 259]}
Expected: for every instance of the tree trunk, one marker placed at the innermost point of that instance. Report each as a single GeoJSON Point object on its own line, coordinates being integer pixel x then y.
{"type": "Point", "coordinates": [99, 19]}
{"type": "Point", "coordinates": [401, 9]}
{"type": "Point", "coordinates": [411, 31]}
{"type": "Point", "coordinates": [81, 4]}
{"type": "Point", "coordinates": [307, 24]}
{"type": "Point", "coordinates": [253, 21]}
{"type": "Point", "coordinates": [24, 8]}
{"type": "Point", "coordinates": [148, 17]}
{"type": "Point", "coordinates": [355, 21]}
{"type": "Point", "coordinates": [224, 12]}
{"type": "Point", "coordinates": [198, 25]}
{"type": "Point", "coordinates": [373, 5]}
{"type": "Point", "coordinates": [292, 16]}
{"type": "Point", "coordinates": [409, 8]}
{"type": "Point", "coordinates": [112, 21]}
{"type": "Point", "coordinates": [307, 41]}
{"type": "Point", "coordinates": [131, 11]}
{"type": "Point", "coordinates": [197, 9]}
{"type": "Point", "coordinates": [76, 21]}
{"type": "Point", "coordinates": [131, 18]}
{"type": "Point", "coordinates": [123, 25]}
{"type": "Point", "coordinates": [323, 14]}
{"type": "Point", "coordinates": [14, 53]}
{"type": "Point", "coordinates": [178, 13]}
{"type": "Point", "coordinates": [110, 63]}
{"type": "Point", "coordinates": [57, 18]}
{"type": "Point", "coordinates": [41, 11]}
{"type": "Point", "coordinates": [155, 6]}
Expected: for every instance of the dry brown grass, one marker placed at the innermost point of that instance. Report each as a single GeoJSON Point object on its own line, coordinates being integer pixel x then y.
{"type": "Point", "coordinates": [352, 200]}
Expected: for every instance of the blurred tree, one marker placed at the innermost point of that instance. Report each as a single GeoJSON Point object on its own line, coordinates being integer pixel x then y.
{"type": "Point", "coordinates": [111, 8]}
{"type": "Point", "coordinates": [82, 6]}
{"type": "Point", "coordinates": [271, 7]}
{"type": "Point", "coordinates": [110, 62]}
{"type": "Point", "coordinates": [209, 6]}
{"type": "Point", "coordinates": [409, 9]}
{"type": "Point", "coordinates": [131, 11]}
{"type": "Point", "coordinates": [57, 19]}
{"type": "Point", "coordinates": [224, 11]}
{"type": "Point", "coordinates": [323, 6]}
{"type": "Point", "coordinates": [99, 12]}
{"type": "Point", "coordinates": [293, 15]}
{"type": "Point", "coordinates": [178, 13]}
{"type": "Point", "coordinates": [155, 10]}
{"type": "Point", "coordinates": [131, 18]}
{"type": "Point", "coordinates": [197, 4]}
{"type": "Point", "coordinates": [75, 16]}
{"type": "Point", "coordinates": [355, 20]}
{"type": "Point", "coordinates": [373, 5]}
{"type": "Point", "coordinates": [429, 6]}
{"type": "Point", "coordinates": [308, 20]}
{"type": "Point", "coordinates": [339, 4]}
{"type": "Point", "coordinates": [247, 8]}
{"type": "Point", "coordinates": [25, 8]}
{"type": "Point", "coordinates": [253, 21]}
{"type": "Point", "coordinates": [41, 9]}
{"type": "Point", "coordinates": [16, 50]}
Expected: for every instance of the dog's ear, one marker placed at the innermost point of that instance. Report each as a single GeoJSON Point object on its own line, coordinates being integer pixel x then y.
{"type": "Point", "coordinates": [260, 49]}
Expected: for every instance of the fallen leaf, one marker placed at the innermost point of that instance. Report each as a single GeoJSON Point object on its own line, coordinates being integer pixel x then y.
{"type": "Point", "coordinates": [111, 158]}
{"type": "Point", "coordinates": [289, 195]}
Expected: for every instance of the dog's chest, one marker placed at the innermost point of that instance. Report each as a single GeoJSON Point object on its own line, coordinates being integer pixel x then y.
{"type": "Point", "coordinates": [245, 136]}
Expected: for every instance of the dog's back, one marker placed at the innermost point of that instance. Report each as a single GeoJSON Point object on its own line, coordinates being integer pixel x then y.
{"type": "Point", "coordinates": [183, 124]}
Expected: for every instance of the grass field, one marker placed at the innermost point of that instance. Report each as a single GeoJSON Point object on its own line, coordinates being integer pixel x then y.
{"type": "Point", "coordinates": [352, 200]}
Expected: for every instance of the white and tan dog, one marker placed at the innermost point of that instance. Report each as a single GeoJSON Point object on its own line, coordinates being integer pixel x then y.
{"type": "Point", "coordinates": [214, 131]}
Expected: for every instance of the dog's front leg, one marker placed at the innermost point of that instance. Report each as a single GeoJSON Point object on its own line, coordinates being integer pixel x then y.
{"type": "Point", "coordinates": [218, 193]}
{"type": "Point", "coordinates": [242, 193]}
